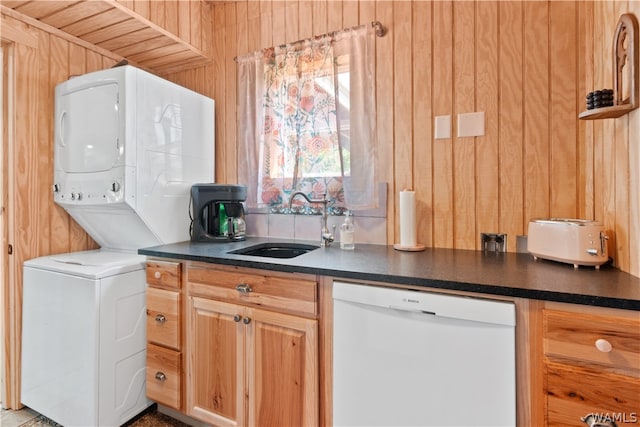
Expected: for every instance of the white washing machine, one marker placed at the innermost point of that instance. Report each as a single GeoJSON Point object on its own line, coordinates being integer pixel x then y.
{"type": "Point", "coordinates": [83, 337]}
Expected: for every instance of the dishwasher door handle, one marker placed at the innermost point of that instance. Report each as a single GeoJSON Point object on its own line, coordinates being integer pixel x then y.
{"type": "Point", "coordinates": [412, 310]}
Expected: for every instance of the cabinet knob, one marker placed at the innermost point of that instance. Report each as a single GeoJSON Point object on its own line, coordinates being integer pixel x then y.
{"type": "Point", "coordinates": [237, 318]}
{"type": "Point", "coordinates": [603, 345]}
{"type": "Point", "coordinates": [157, 275]}
{"type": "Point", "coordinates": [160, 318]}
{"type": "Point", "coordinates": [246, 320]}
{"type": "Point", "coordinates": [243, 288]}
{"type": "Point", "coordinates": [160, 376]}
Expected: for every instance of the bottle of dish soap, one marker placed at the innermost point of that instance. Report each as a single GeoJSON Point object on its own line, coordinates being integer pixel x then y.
{"type": "Point", "coordinates": [347, 233]}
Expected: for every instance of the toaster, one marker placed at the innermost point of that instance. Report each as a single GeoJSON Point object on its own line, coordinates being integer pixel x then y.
{"type": "Point", "coordinates": [573, 241]}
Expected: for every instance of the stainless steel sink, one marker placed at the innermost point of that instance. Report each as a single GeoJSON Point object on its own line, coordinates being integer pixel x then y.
{"type": "Point", "coordinates": [275, 250]}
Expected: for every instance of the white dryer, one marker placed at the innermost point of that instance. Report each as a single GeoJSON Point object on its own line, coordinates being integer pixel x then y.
{"type": "Point", "coordinates": [128, 147]}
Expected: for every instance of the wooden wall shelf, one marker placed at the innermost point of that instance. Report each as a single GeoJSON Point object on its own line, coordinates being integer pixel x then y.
{"type": "Point", "coordinates": [115, 28]}
{"type": "Point", "coordinates": [625, 60]}
{"type": "Point", "coordinates": [606, 112]}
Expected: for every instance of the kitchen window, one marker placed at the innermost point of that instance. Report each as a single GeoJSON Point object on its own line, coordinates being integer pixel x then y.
{"type": "Point", "coordinates": [307, 121]}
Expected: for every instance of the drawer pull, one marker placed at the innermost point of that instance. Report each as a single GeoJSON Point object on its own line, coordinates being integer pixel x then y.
{"type": "Point", "coordinates": [160, 318]}
{"type": "Point", "coordinates": [237, 318]}
{"type": "Point", "coordinates": [603, 345]}
{"type": "Point", "coordinates": [246, 320]}
{"type": "Point", "coordinates": [157, 275]}
{"type": "Point", "coordinates": [244, 288]}
{"type": "Point", "coordinates": [160, 376]}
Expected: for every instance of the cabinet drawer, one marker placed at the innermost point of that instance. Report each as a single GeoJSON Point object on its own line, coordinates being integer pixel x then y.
{"type": "Point", "coordinates": [163, 274]}
{"type": "Point", "coordinates": [163, 317]}
{"type": "Point", "coordinates": [575, 335]}
{"type": "Point", "coordinates": [573, 393]}
{"type": "Point", "coordinates": [164, 382]}
{"type": "Point", "coordinates": [276, 292]}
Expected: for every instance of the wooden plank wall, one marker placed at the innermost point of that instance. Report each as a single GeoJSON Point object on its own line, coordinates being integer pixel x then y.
{"type": "Point", "coordinates": [527, 65]}
{"type": "Point", "coordinates": [611, 148]}
{"type": "Point", "coordinates": [40, 227]}
{"type": "Point", "coordinates": [516, 61]}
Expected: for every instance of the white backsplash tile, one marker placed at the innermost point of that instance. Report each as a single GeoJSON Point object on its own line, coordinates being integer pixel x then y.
{"type": "Point", "coordinates": [307, 227]}
{"type": "Point", "coordinates": [370, 225]}
{"type": "Point", "coordinates": [257, 224]}
{"type": "Point", "coordinates": [371, 230]}
{"type": "Point", "coordinates": [337, 221]}
{"type": "Point", "coordinates": [281, 226]}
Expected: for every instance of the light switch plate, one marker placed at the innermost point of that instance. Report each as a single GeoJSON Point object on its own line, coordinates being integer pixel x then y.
{"type": "Point", "coordinates": [442, 127]}
{"type": "Point", "coordinates": [470, 124]}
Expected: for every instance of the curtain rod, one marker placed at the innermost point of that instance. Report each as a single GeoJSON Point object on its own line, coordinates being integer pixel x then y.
{"type": "Point", "coordinates": [380, 32]}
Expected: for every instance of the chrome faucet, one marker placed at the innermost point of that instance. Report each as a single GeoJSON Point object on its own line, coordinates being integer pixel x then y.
{"type": "Point", "coordinates": [325, 236]}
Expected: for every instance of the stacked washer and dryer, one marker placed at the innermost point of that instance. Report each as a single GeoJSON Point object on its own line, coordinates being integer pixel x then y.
{"type": "Point", "coordinates": [128, 147]}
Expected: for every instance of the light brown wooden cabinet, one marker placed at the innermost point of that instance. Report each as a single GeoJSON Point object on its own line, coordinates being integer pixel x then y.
{"type": "Point", "coordinates": [591, 365]}
{"type": "Point", "coordinates": [164, 333]}
{"type": "Point", "coordinates": [234, 346]}
{"type": "Point", "coordinates": [252, 348]}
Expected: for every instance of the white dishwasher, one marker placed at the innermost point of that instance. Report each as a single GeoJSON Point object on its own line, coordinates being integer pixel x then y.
{"type": "Point", "coordinates": [409, 358]}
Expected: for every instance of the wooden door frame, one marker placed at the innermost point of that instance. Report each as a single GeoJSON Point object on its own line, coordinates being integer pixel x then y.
{"type": "Point", "coordinates": [8, 297]}
{"type": "Point", "coordinates": [4, 276]}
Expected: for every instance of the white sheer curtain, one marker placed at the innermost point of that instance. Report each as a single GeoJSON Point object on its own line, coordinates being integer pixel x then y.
{"type": "Point", "coordinates": [306, 121]}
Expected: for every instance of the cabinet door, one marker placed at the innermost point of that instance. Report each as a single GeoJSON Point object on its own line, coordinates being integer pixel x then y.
{"type": "Point", "coordinates": [215, 362]}
{"type": "Point", "coordinates": [282, 363]}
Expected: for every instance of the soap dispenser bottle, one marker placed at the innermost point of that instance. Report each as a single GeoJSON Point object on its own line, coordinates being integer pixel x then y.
{"type": "Point", "coordinates": [347, 233]}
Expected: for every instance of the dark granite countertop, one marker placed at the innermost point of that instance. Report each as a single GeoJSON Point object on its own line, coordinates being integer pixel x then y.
{"type": "Point", "coordinates": [507, 274]}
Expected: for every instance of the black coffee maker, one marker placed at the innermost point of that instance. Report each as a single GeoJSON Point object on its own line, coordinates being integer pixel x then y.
{"type": "Point", "coordinates": [217, 212]}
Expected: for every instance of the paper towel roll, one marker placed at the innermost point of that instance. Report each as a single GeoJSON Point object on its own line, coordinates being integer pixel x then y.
{"type": "Point", "coordinates": [407, 218]}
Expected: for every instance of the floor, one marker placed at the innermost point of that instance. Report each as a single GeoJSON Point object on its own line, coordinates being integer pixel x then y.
{"type": "Point", "coordinates": [29, 418]}
{"type": "Point", "coordinates": [9, 418]}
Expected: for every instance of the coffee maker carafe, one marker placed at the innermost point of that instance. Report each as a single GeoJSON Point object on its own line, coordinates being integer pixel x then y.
{"type": "Point", "coordinates": [218, 212]}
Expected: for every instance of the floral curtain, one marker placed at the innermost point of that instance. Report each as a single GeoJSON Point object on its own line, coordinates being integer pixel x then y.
{"type": "Point", "coordinates": [307, 121]}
